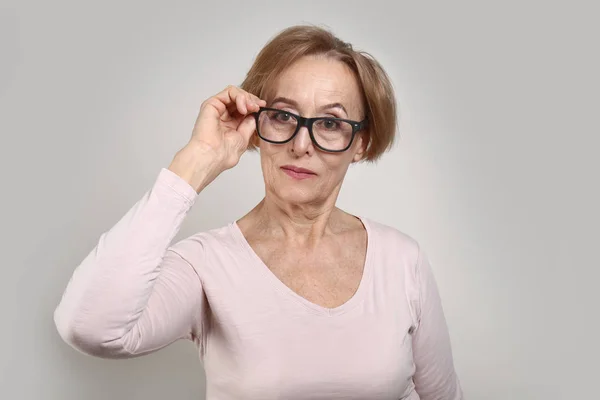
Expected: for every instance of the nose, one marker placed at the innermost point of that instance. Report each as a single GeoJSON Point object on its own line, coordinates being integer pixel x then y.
{"type": "Point", "coordinates": [301, 144]}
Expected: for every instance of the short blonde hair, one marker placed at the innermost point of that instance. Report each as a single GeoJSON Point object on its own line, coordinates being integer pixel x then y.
{"type": "Point", "coordinates": [299, 41]}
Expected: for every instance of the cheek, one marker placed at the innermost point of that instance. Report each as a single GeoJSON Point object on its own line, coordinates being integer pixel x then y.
{"type": "Point", "coordinates": [268, 160]}
{"type": "Point", "coordinates": [336, 166]}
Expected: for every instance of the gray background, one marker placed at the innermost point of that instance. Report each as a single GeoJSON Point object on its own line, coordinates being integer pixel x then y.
{"type": "Point", "coordinates": [495, 171]}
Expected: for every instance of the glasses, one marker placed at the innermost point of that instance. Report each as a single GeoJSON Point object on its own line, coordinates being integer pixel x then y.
{"type": "Point", "coordinates": [327, 133]}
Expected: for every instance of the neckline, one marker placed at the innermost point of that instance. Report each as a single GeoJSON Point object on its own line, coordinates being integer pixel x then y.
{"type": "Point", "coordinates": [284, 289]}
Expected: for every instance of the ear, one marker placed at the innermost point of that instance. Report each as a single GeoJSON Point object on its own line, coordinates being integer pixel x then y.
{"type": "Point", "coordinates": [360, 146]}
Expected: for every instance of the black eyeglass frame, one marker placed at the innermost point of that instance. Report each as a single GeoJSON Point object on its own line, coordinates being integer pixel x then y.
{"type": "Point", "coordinates": [308, 123]}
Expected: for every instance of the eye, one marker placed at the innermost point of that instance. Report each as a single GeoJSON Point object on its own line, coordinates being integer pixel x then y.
{"type": "Point", "coordinates": [282, 117]}
{"type": "Point", "coordinates": [330, 124]}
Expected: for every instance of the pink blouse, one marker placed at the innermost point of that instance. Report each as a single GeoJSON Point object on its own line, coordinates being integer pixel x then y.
{"type": "Point", "coordinates": [136, 293]}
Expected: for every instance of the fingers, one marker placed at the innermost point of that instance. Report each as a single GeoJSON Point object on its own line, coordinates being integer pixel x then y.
{"type": "Point", "coordinates": [247, 128]}
{"type": "Point", "coordinates": [234, 98]}
{"type": "Point", "coordinates": [255, 103]}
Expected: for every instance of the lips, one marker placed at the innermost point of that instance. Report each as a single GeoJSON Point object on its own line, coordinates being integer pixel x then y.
{"type": "Point", "coordinates": [297, 172]}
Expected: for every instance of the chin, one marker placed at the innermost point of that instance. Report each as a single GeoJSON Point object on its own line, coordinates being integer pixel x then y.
{"type": "Point", "coordinates": [296, 195]}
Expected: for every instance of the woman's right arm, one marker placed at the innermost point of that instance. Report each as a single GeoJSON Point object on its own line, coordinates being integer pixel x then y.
{"type": "Point", "coordinates": [133, 294]}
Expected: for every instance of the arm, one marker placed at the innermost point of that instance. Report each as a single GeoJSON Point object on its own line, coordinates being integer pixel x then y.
{"type": "Point", "coordinates": [435, 377]}
{"type": "Point", "coordinates": [132, 294]}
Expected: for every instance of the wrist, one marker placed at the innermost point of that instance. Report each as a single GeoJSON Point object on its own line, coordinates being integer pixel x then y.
{"type": "Point", "coordinates": [197, 165]}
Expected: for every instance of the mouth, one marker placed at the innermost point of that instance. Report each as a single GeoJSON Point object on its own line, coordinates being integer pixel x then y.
{"type": "Point", "coordinates": [298, 172]}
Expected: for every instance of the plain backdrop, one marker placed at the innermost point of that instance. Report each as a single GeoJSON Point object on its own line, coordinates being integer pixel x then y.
{"type": "Point", "coordinates": [495, 171]}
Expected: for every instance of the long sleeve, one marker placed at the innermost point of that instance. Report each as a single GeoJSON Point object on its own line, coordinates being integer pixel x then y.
{"type": "Point", "coordinates": [133, 294]}
{"type": "Point", "coordinates": [435, 377]}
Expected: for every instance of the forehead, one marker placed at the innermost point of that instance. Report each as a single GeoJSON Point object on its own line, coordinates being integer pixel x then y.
{"type": "Point", "coordinates": [317, 80]}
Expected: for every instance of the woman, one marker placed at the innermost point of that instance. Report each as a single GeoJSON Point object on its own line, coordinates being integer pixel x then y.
{"type": "Point", "coordinates": [297, 299]}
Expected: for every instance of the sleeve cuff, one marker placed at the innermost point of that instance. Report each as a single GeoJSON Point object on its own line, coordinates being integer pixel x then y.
{"type": "Point", "coordinates": [177, 184]}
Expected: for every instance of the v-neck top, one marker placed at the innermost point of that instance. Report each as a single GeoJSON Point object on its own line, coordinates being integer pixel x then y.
{"type": "Point", "coordinates": [270, 278]}
{"type": "Point", "coordinates": [137, 292]}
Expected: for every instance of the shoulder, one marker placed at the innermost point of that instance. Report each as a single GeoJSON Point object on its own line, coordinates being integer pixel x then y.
{"type": "Point", "coordinates": [195, 248]}
{"type": "Point", "coordinates": [400, 258]}
{"type": "Point", "coordinates": [393, 242]}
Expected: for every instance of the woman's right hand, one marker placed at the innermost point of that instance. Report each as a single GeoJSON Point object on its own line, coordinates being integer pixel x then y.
{"type": "Point", "coordinates": [221, 134]}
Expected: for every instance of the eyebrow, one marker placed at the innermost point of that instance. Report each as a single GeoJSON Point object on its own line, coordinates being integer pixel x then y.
{"type": "Point", "coordinates": [295, 104]}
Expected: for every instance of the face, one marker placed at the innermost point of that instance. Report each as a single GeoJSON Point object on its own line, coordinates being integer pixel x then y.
{"type": "Point", "coordinates": [312, 87]}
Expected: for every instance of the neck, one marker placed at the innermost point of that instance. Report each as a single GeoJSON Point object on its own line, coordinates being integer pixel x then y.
{"type": "Point", "coordinates": [298, 224]}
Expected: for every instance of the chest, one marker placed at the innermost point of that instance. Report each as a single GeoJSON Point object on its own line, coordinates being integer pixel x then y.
{"type": "Point", "coordinates": [362, 356]}
{"type": "Point", "coordinates": [328, 277]}
{"type": "Point", "coordinates": [265, 343]}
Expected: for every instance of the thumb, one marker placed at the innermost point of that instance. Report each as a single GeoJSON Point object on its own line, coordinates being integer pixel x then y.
{"type": "Point", "coordinates": [247, 127]}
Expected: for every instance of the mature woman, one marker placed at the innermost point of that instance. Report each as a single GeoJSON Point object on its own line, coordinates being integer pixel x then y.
{"type": "Point", "coordinates": [297, 299]}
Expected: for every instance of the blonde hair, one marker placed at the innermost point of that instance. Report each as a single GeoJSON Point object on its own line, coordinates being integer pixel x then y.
{"type": "Point", "coordinates": [299, 41]}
